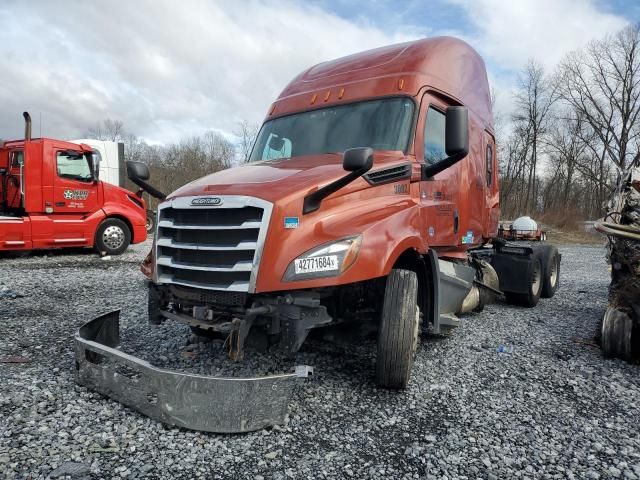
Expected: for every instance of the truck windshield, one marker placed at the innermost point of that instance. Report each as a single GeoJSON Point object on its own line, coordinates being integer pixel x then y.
{"type": "Point", "coordinates": [380, 124]}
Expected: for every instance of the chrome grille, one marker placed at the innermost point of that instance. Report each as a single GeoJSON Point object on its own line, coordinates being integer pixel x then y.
{"type": "Point", "coordinates": [211, 247]}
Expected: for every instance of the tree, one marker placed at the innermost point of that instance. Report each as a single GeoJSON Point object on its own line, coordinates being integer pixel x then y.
{"type": "Point", "coordinates": [602, 85]}
{"type": "Point", "coordinates": [108, 129]}
{"type": "Point", "coordinates": [533, 102]}
{"type": "Point", "coordinates": [247, 132]}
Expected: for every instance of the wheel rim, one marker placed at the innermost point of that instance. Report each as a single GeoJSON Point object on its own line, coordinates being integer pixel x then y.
{"type": "Point", "coordinates": [113, 237]}
{"type": "Point", "coordinates": [553, 274]}
{"type": "Point", "coordinates": [149, 224]}
{"type": "Point", "coordinates": [536, 282]}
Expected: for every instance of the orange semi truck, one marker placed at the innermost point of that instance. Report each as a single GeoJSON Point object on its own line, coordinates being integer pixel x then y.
{"type": "Point", "coordinates": [371, 195]}
{"type": "Point", "coordinates": [372, 185]}
{"type": "Point", "coordinates": [51, 197]}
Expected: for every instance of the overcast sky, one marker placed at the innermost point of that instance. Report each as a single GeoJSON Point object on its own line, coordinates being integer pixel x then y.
{"type": "Point", "coordinates": [170, 69]}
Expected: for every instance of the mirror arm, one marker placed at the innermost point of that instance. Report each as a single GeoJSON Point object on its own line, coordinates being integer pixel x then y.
{"type": "Point", "coordinates": [429, 171]}
{"type": "Point", "coordinates": [313, 200]}
{"type": "Point", "coordinates": [148, 188]}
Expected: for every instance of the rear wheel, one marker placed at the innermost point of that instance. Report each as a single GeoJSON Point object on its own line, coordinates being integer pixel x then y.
{"type": "Point", "coordinates": [551, 271]}
{"type": "Point", "coordinates": [113, 237]}
{"type": "Point", "coordinates": [535, 280]}
{"type": "Point", "coordinates": [399, 327]}
{"type": "Point", "coordinates": [150, 223]}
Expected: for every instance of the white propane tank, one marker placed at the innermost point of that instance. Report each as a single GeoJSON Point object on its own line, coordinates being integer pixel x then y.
{"type": "Point", "coordinates": [525, 225]}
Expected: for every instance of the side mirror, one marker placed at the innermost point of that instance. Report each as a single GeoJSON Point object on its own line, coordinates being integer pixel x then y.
{"type": "Point", "coordinates": [356, 161]}
{"type": "Point", "coordinates": [457, 131]}
{"type": "Point", "coordinates": [137, 171]}
{"type": "Point", "coordinates": [456, 141]}
{"type": "Point", "coordinates": [95, 166]}
{"type": "Point", "coordinates": [360, 158]}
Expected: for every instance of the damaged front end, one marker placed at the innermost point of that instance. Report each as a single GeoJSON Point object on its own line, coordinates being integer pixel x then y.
{"type": "Point", "coordinates": [196, 402]}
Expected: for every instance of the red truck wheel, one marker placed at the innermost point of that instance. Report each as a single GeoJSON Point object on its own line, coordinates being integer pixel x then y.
{"type": "Point", "coordinates": [113, 236]}
{"type": "Point", "coordinates": [399, 326]}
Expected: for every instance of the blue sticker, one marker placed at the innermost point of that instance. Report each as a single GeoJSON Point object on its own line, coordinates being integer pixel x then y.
{"type": "Point", "coordinates": [468, 238]}
{"type": "Point", "coordinates": [291, 222]}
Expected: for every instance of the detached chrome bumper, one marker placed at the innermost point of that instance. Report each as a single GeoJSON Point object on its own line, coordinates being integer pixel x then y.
{"type": "Point", "coordinates": [196, 402]}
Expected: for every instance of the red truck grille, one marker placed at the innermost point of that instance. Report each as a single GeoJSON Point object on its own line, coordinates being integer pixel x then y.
{"type": "Point", "coordinates": [216, 247]}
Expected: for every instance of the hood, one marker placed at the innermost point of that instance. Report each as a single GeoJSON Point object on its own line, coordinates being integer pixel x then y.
{"type": "Point", "coordinates": [275, 179]}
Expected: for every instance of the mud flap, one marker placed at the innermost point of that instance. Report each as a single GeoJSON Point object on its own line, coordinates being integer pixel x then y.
{"type": "Point", "coordinates": [196, 402]}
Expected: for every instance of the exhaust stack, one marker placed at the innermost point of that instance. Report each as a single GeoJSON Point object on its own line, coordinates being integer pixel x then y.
{"type": "Point", "coordinates": [27, 126]}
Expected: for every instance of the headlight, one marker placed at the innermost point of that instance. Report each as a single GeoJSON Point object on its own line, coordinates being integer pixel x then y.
{"type": "Point", "coordinates": [328, 260]}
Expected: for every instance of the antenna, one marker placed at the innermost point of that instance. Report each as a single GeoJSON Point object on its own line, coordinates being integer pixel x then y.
{"type": "Point", "coordinates": [40, 125]}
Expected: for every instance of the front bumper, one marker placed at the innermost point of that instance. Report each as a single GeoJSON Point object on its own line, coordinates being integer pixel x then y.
{"type": "Point", "coordinates": [196, 402]}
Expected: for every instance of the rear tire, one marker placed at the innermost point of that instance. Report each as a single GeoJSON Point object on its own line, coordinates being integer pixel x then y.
{"type": "Point", "coordinates": [531, 298]}
{"type": "Point", "coordinates": [399, 327]}
{"type": "Point", "coordinates": [113, 237]}
{"type": "Point", "coordinates": [551, 271]}
{"type": "Point", "coordinates": [150, 224]}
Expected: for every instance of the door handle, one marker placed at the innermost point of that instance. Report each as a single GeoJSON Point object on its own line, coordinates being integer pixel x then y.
{"type": "Point", "coordinates": [60, 204]}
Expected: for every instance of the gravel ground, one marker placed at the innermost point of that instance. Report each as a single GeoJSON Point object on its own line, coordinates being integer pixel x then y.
{"type": "Point", "coordinates": [553, 408]}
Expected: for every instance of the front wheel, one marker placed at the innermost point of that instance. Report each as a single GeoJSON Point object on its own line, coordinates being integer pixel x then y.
{"type": "Point", "coordinates": [399, 326]}
{"type": "Point", "coordinates": [113, 237]}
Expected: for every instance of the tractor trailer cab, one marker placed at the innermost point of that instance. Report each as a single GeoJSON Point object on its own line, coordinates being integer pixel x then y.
{"type": "Point", "coordinates": [51, 196]}
{"type": "Point", "coordinates": [371, 195]}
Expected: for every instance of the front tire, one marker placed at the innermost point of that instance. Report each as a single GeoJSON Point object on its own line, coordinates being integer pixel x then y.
{"type": "Point", "coordinates": [113, 237]}
{"type": "Point", "coordinates": [399, 326]}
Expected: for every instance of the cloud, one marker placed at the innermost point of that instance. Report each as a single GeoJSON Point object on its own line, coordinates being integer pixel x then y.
{"type": "Point", "coordinates": [508, 33]}
{"type": "Point", "coordinates": [169, 70]}
{"type": "Point", "coordinates": [166, 69]}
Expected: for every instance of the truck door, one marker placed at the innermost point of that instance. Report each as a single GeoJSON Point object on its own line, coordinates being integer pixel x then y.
{"type": "Point", "coordinates": [13, 182]}
{"type": "Point", "coordinates": [438, 195]}
{"type": "Point", "coordinates": [74, 190]}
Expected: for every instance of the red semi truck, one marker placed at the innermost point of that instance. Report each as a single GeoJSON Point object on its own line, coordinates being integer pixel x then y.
{"type": "Point", "coordinates": [371, 196]}
{"type": "Point", "coordinates": [51, 197]}
{"type": "Point", "coordinates": [372, 185]}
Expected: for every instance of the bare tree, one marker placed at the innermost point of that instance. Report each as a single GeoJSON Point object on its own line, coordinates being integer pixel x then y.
{"type": "Point", "coordinates": [536, 95]}
{"type": "Point", "coordinates": [602, 84]}
{"type": "Point", "coordinates": [247, 132]}
{"type": "Point", "coordinates": [108, 129]}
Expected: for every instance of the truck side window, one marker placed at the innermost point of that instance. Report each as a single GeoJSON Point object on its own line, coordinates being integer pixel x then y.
{"type": "Point", "coordinates": [276, 147]}
{"type": "Point", "coordinates": [434, 138]}
{"type": "Point", "coordinates": [74, 166]}
{"type": "Point", "coordinates": [17, 159]}
{"type": "Point", "coordinates": [489, 165]}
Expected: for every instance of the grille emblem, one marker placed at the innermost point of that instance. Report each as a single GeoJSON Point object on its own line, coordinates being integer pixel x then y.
{"type": "Point", "coordinates": [206, 201]}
